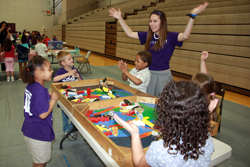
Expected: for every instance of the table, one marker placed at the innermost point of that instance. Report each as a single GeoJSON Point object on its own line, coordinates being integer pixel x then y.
{"type": "Point", "coordinates": [110, 153]}
{"type": "Point", "coordinates": [221, 153]}
{"type": "Point", "coordinates": [31, 55]}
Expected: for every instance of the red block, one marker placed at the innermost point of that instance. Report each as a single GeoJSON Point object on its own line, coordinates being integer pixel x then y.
{"type": "Point", "coordinates": [94, 119]}
{"type": "Point", "coordinates": [80, 92]}
{"type": "Point", "coordinates": [130, 113]}
{"type": "Point", "coordinates": [88, 92]}
{"type": "Point", "coordinates": [103, 119]}
{"type": "Point", "coordinates": [89, 113]}
{"type": "Point", "coordinates": [108, 133]}
{"type": "Point", "coordinates": [69, 87]}
{"type": "Point", "coordinates": [124, 104]}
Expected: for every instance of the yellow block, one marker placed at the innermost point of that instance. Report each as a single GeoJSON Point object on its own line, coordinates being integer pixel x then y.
{"type": "Point", "coordinates": [145, 120]}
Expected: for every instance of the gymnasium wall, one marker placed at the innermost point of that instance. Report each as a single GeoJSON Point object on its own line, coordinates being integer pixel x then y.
{"type": "Point", "coordinates": [27, 15]}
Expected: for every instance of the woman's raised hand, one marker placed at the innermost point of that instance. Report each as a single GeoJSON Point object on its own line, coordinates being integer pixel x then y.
{"type": "Point", "coordinates": [116, 14]}
{"type": "Point", "coordinates": [199, 8]}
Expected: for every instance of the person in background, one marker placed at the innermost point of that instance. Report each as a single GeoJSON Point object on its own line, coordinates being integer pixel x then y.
{"type": "Point", "coordinates": [14, 35]}
{"type": "Point", "coordinates": [46, 40]}
{"type": "Point", "coordinates": [4, 33]}
{"type": "Point", "coordinates": [41, 49]}
{"type": "Point", "coordinates": [20, 35]}
{"type": "Point", "coordinates": [23, 51]}
{"type": "Point", "coordinates": [54, 38]}
{"type": "Point", "coordinates": [8, 52]}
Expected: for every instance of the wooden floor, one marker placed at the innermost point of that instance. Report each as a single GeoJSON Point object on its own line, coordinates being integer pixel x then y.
{"type": "Point", "coordinates": [104, 61]}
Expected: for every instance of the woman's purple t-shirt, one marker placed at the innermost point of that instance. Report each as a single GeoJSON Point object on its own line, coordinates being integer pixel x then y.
{"type": "Point", "coordinates": [36, 102]}
{"type": "Point", "coordinates": [161, 58]}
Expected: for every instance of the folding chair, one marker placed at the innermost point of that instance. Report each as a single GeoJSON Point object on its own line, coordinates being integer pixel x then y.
{"type": "Point", "coordinates": [83, 62]}
{"type": "Point", "coordinates": [221, 92]}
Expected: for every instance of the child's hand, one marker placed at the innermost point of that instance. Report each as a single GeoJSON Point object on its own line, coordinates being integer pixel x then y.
{"type": "Point", "coordinates": [77, 75]}
{"type": "Point", "coordinates": [213, 104]}
{"type": "Point", "coordinates": [204, 55]}
{"type": "Point", "coordinates": [123, 66]}
{"type": "Point", "coordinates": [72, 72]}
{"type": "Point", "coordinates": [54, 96]}
{"type": "Point", "coordinates": [130, 127]}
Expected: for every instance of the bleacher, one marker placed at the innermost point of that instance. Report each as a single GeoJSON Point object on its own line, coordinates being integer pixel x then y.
{"type": "Point", "coordinates": [223, 29]}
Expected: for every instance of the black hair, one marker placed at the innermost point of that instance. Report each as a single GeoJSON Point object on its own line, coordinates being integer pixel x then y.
{"type": "Point", "coordinates": [24, 39]}
{"type": "Point", "coordinates": [36, 62]}
{"type": "Point", "coordinates": [4, 22]}
{"type": "Point", "coordinates": [145, 56]}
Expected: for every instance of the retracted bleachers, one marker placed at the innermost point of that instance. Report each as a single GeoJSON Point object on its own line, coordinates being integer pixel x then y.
{"type": "Point", "coordinates": [223, 29]}
{"type": "Point", "coordinates": [57, 31]}
{"type": "Point", "coordinates": [89, 36]}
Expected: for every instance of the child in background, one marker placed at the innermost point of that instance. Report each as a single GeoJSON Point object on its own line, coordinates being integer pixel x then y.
{"type": "Point", "coordinates": [41, 49]}
{"type": "Point", "coordinates": [207, 84]}
{"type": "Point", "coordinates": [66, 74]}
{"type": "Point", "coordinates": [46, 40]}
{"type": "Point", "coordinates": [22, 54]}
{"type": "Point", "coordinates": [139, 76]}
{"type": "Point", "coordinates": [8, 52]}
{"type": "Point", "coordinates": [54, 38]}
{"type": "Point", "coordinates": [183, 121]}
{"type": "Point", "coordinates": [38, 110]}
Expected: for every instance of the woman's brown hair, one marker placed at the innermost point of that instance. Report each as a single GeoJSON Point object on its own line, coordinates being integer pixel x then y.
{"type": "Point", "coordinates": [163, 31]}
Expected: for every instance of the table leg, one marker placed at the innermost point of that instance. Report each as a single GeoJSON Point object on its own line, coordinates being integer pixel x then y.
{"type": "Point", "coordinates": [73, 129]}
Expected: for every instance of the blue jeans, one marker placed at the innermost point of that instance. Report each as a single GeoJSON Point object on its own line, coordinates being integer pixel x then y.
{"type": "Point", "coordinates": [66, 125]}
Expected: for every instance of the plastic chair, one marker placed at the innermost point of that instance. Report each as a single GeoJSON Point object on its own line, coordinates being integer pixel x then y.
{"type": "Point", "coordinates": [83, 62]}
{"type": "Point", "coordinates": [221, 92]}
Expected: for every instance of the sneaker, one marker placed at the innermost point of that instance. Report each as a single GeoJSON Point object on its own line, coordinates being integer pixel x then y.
{"type": "Point", "coordinates": [8, 79]}
{"type": "Point", "coordinates": [12, 79]}
{"type": "Point", "coordinates": [20, 79]}
{"type": "Point", "coordinates": [73, 136]}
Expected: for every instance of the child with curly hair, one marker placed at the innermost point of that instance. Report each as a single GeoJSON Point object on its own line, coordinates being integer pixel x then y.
{"type": "Point", "coordinates": [183, 121]}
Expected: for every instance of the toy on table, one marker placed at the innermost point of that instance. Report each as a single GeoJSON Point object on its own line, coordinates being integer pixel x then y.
{"type": "Point", "coordinates": [104, 87]}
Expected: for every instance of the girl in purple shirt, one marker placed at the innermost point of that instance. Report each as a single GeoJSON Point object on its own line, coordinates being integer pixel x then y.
{"type": "Point", "coordinates": [160, 42]}
{"type": "Point", "coordinates": [38, 110]}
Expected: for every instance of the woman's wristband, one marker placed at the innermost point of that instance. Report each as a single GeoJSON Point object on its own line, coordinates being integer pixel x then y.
{"type": "Point", "coordinates": [191, 15]}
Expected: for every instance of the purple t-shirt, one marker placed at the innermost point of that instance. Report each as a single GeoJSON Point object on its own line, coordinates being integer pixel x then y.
{"type": "Point", "coordinates": [161, 58]}
{"type": "Point", "coordinates": [36, 102]}
{"type": "Point", "coordinates": [68, 78]}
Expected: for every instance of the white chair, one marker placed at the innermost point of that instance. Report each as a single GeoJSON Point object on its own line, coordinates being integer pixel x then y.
{"type": "Point", "coordinates": [83, 62]}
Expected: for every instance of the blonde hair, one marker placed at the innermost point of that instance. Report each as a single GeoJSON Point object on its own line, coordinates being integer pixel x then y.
{"type": "Point", "coordinates": [61, 56]}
